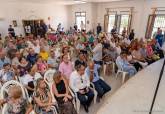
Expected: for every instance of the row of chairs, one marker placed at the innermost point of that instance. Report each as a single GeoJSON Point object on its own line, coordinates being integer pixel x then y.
{"type": "Point", "coordinates": [119, 71]}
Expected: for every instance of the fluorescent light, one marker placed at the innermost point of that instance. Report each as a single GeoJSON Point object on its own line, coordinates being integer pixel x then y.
{"type": "Point", "coordinates": [79, 1]}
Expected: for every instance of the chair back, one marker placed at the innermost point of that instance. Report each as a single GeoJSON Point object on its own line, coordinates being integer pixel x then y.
{"type": "Point", "coordinates": [119, 66]}
{"type": "Point", "coordinates": [48, 77]}
{"type": "Point", "coordinates": [6, 86]}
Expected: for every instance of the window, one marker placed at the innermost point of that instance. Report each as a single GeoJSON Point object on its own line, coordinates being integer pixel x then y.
{"type": "Point", "coordinates": [159, 23]}
{"type": "Point", "coordinates": [124, 22]}
{"type": "Point", "coordinates": [111, 23]}
{"type": "Point", "coordinates": [80, 16]}
{"type": "Point", "coordinates": [120, 21]}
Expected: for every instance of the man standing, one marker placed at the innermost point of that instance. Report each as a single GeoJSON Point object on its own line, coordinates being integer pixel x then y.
{"type": "Point", "coordinates": [11, 31]}
{"type": "Point", "coordinates": [99, 29]}
{"type": "Point", "coordinates": [97, 52]}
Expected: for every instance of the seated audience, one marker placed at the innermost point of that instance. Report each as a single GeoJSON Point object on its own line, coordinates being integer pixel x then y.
{"type": "Point", "coordinates": [16, 104]}
{"type": "Point", "coordinates": [3, 59]}
{"type": "Point", "coordinates": [32, 56]}
{"type": "Point", "coordinates": [41, 65]}
{"type": "Point", "coordinates": [66, 67]}
{"type": "Point", "coordinates": [43, 99]}
{"type": "Point", "coordinates": [24, 66]}
{"type": "Point", "coordinates": [6, 73]}
{"type": "Point", "coordinates": [81, 60]}
{"type": "Point", "coordinates": [44, 54]}
{"type": "Point", "coordinates": [125, 65]}
{"type": "Point", "coordinates": [101, 86]}
{"type": "Point", "coordinates": [80, 84]}
{"type": "Point", "coordinates": [52, 60]}
{"type": "Point", "coordinates": [62, 95]}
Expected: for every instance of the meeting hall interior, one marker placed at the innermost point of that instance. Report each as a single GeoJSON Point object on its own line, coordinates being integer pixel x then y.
{"type": "Point", "coordinates": [82, 56]}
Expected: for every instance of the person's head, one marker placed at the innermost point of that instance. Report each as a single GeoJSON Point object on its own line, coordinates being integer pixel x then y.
{"type": "Point", "coordinates": [52, 53]}
{"type": "Point", "coordinates": [2, 54]}
{"type": "Point", "coordinates": [15, 92]}
{"type": "Point", "coordinates": [57, 77]}
{"type": "Point", "coordinates": [123, 55]}
{"type": "Point", "coordinates": [23, 60]}
{"type": "Point", "coordinates": [41, 84]}
{"type": "Point", "coordinates": [80, 69]}
{"type": "Point", "coordinates": [39, 59]}
{"type": "Point", "coordinates": [6, 66]}
{"type": "Point", "coordinates": [65, 58]}
{"type": "Point", "coordinates": [132, 30]}
{"type": "Point", "coordinates": [10, 26]}
{"type": "Point", "coordinates": [65, 50]}
{"type": "Point", "coordinates": [31, 51]}
{"type": "Point", "coordinates": [91, 65]}
{"type": "Point", "coordinates": [17, 54]}
{"type": "Point", "coordinates": [98, 24]}
{"type": "Point", "coordinates": [81, 56]}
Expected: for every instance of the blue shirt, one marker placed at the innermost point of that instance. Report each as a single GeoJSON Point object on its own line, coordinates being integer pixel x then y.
{"type": "Point", "coordinates": [2, 62]}
{"type": "Point", "coordinates": [96, 76]}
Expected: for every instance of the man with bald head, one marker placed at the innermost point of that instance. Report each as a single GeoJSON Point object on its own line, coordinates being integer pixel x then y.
{"type": "Point", "coordinates": [101, 86]}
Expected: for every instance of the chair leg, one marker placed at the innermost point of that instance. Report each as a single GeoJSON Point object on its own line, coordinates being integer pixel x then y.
{"type": "Point", "coordinates": [78, 106]}
{"type": "Point", "coordinates": [104, 69]}
{"type": "Point", "coordinates": [123, 77]}
{"type": "Point", "coordinates": [113, 67]}
{"type": "Point", "coordinates": [95, 96]}
{"type": "Point", "coordinates": [117, 74]}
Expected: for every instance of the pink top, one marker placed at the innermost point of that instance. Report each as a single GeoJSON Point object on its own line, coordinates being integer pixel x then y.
{"type": "Point", "coordinates": [42, 67]}
{"type": "Point", "coordinates": [66, 69]}
{"type": "Point", "coordinates": [149, 51]}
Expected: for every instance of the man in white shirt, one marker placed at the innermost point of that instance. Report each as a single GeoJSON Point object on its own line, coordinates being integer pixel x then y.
{"type": "Point", "coordinates": [79, 82]}
{"type": "Point", "coordinates": [97, 52]}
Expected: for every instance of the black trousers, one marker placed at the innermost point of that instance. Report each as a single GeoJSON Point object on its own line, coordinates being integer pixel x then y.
{"type": "Point", "coordinates": [137, 66]}
{"type": "Point", "coordinates": [101, 87]}
{"type": "Point", "coordinates": [86, 99]}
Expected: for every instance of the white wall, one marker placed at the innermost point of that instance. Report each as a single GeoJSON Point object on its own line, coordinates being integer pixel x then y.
{"type": "Point", "coordinates": [20, 11]}
{"type": "Point", "coordinates": [95, 12]}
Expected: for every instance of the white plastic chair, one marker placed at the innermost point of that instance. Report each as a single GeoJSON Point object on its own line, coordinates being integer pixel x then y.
{"type": "Point", "coordinates": [7, 85]}
{"type": "Point", "coordinates": [105, 67]}
{"type": "Point", "coordinates": [77, 101]}
{"type": "Point", "coordinates": [5, 89]}
{"type": "Point", "coordinates": [48, 77]}
{"type": "Point", "coordinates": [120, 70]}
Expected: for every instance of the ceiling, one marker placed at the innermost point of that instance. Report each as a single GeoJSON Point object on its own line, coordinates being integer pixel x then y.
{"type": "Point", "coordinates": [59, 1]}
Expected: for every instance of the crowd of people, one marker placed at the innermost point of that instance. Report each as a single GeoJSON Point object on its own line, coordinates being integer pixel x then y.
{"type": "Point", "coordinates": [77, 57]}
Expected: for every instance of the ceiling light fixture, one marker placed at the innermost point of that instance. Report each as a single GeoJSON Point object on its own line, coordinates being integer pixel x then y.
{"type": "Point", "coordinates": [80, 1]}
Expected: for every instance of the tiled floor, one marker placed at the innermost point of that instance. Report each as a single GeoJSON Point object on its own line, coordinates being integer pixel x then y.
{"type": "Point", "coordinates": [114, 83]}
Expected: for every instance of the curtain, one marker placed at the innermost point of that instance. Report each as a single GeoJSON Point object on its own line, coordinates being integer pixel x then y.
{"type": "Point", "coordinates": [150, 24]}
{"type": "Point", "coordinates": [106, 22]}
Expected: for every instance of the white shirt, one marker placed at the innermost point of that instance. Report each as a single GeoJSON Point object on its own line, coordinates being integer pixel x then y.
{"type": "Point", "coordinates": [78, 82]}
{"type": "Point", "coordinates": [97, 56]}
{"type": "Point", "coordinates": [36, 49]}
{"type": "Point", "coordinates": [112, 44]}
{"type": "Point", "coordinates": [118, 50]}
{"type": "Point", "coordinates": [28, 78]}
{"type": "Point", "coordinates": [127, 41]}
{"type": "Point", "coordinates": [28, 29]}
